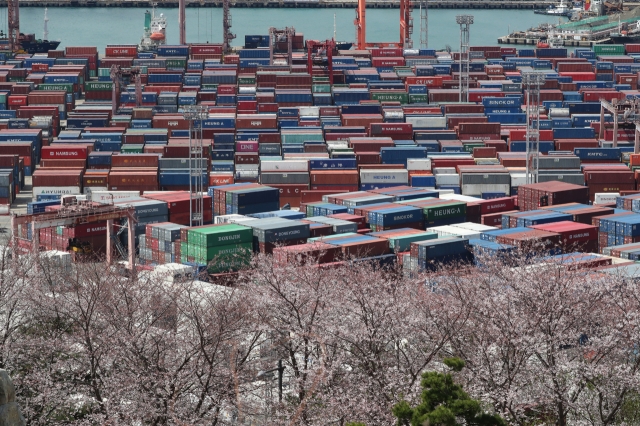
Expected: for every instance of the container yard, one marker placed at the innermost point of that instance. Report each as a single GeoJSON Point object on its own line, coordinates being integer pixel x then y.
{"type": "Point", "coordinates": [324, 155]}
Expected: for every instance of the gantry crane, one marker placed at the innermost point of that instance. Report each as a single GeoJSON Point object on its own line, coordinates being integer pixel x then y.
{"type": "Point", "coordinates": [317, 51]}
{"type": "Point", "coordinates": [226, 26]}
{"type": "Point", "coordinates": [406, 27]}
{"type": "Point", "coordinates": [13, 10]}
{"type": "Point", "coordinates": [275, 36]}
{"type": "Point", "coordinates": [117, 74]}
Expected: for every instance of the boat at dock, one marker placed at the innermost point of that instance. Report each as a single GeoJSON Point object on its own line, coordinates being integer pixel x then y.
{"type": "Point", "coordinates": [155, 27]}
{"type": "Point", "coordinates": [560, 10]}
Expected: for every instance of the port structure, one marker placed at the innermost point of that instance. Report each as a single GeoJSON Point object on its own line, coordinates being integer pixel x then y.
{"type": "Point", "coordinates": [276, 35]}
{"type": "Point", "coordinates": [629, 109]}
{"type": "Point", "coordinates": [13, 12]}
{"type": "Point", "coordinates": [406, 26]}
{"type": "Point", "coordinates": [117, 75]}
{"type": "Point", "coordinates": [195, 114]}
{"type": "Point", "coordinates": [424, 24]}
{"type": "Point", "coordinates": [71, 213]}
{"type": "Point", "coordinates": [228, 36]}
{"type": "Point", "coordinates": [182, 21]}
{"type": "Point", "coordinates": [465, 22]}
{"type": "Point", "coordinates": [317, 51]}
{"type": "Point", "coordinates": [532, 82]}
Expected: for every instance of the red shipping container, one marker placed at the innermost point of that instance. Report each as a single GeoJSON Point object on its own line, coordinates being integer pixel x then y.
{"type": "Point", "coordinates": [134, 160]}
{"type": "Point", "coordinates": [206, 49]}
{"type": "Point", "coordinates": [69, 151]}
{"type": "Point", "coordinates": [121, 51]}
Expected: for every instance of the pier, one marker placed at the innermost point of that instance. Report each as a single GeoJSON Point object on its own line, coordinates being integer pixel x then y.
{"type": "Point", "coordinates": [375, 4]}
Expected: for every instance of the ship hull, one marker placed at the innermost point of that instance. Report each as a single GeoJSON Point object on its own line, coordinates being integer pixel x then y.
{"type": "Point", "coordinates": [39, 47]}
{"type": "Point", "coordinates": [624, 39]}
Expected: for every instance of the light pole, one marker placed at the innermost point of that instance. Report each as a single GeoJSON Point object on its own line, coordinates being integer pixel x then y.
{"type": "Point", "coordinates": [196, 201]}
{"type": "Point", "coordinates": [465, 22]}
{"type": "Point", "coordinates": [280, 370]}
{"type": "Point", "coordinates": [532, 82]}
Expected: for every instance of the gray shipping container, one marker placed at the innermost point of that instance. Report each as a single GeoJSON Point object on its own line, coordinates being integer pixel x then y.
{"type": "Point", "coordinates": [485, 179]}
{"type": "Point", "coordinates": [339, 226]}
{"type": "Point", "coordinates": [374, 199]}
{"type": "Point", "coordinates": [181, 163]}
{"type": "Point", "coordinates": [564, 162]}
{"type": "Point", "coordinates": [285, 178]}
{"type": "Point", "coordinates": [576, 179]}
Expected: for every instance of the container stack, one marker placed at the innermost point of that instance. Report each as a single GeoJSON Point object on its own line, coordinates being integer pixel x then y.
{"type": "Point", "coordinates": [220, 247]}
{"type": "Point", "coordinates": [160, 243]}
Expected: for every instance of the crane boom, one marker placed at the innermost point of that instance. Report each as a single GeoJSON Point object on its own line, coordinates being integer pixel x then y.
{"type": "Point", "coordinates": [13, 11]}
{"type": "Point", "coordinates": [406, 26]}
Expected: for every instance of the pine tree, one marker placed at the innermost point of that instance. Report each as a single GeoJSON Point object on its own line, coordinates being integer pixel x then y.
{"type": "Point", "coordinates": [444, 403]}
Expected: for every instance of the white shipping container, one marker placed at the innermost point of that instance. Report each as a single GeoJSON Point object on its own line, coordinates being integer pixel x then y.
{"type": "Point", "coordinates": [246, 167]}
{"type": "Point", "coordinates": [309, 111]}
{"type": "Point", "coordinates": [459, 197]}
{"type": "Point", "coordinates": [478, 189]}
{"type": "Point", "coordinates": [451, 156]}
{"type": "Point", "coordinates": [419, 122]}
{"type": "Point", "coordinates": [475, 226]}
{"type": "Point", "coordinates": [308, 156]}
{"type": "Point", "coordinates": [558, 112]}
{"type": "Point", "coordinates": [452, 231]}
{"type": "Point", "coordinates": [228, 218]}
{"type": "Point", "coordinates": [518, 179]}
{"type": "Point", "coordinates": [246, 90]}
{"type": "Point", "coordinates": [419, 164]}
{"type": "Point", "coordinates": [447, 179]}
{"type": "Point", "coordinates": [384, 176]}
{"type": "Point", "coordinates": [606, 197]}
{"type": "Point", "coordinates": [107, 197]}
{"type": "Point", "coordinates": [444, 171]}
{"type": "Point", "coordinates": [90, 189]}
{"type": "Point", "coordinates": [285, 166]}
{"type": "Point", "coordinates": [38, 190]}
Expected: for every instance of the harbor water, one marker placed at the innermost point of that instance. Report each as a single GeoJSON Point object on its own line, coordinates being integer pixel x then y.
{"type": "Point", "coordinates": [102, 26]}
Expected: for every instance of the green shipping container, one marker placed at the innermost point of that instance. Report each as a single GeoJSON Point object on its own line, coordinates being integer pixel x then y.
{"type": "Point", "coordinates": [401, 97]}
{"type": "Point", "coordinates": [418, 98]}
{"type": "Point", "coordinates": [222, 253]}
{"type": "Point", "coordinates": [176, 63]}
{"type": "Point", "coordinates": [608, 49]}
{"type": "Point", "coordinates": [220, 235]}
{"type": "Point", "coordinates": [468, 147]}
{"type": "Point", "coordinates": [321, 88]}
{"type": "Point", "coordinates": [231, 264]}
{"type": "Point", "coordinates": [94, 86]}
{"type": "Point", "coordinates": [66, 87]}
{"type": "Point", "coordinates": [300, 138]}
{"type": "Point", "coordinates": [403, 243]}
{"type": "Point", "coordinates": [132, 148]}
{"type": "Point", "coordinates": [444, 211]}
{"type": "Point", "coordinates": [246, 81]}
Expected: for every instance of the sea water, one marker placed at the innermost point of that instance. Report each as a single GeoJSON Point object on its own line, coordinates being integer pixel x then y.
{"type": "Point", "coordinates": [96, 26]}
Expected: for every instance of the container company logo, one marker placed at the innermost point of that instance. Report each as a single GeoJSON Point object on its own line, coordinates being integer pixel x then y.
{"type": "Point", "coordinates": [64, 154]}
{"type": "Point", "coordinates": [229, 237]}
{"type": "Point", "coordinates": [496, 206]}
{"type": "Point", "coordinates": [577, 236]}
{"type": "Point", "coordinates": [256, 123]}
{"type": "Point", "coordinates": [287, 233]}
{"type": "Point", "coordinates": [384, 177]}
{"type": "Point", "coordinates": [448, 211]}
{"type": "Point", "coordinates": [403, 217]}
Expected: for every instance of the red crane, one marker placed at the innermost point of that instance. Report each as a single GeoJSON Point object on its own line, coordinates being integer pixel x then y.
{"type": "Point", "coordinates": [319, 52]}
{"type": "Point", "coordinates": [406, 26]}
{"type": "Point", "coordinates": [13, 10]}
